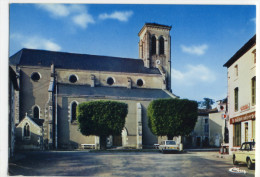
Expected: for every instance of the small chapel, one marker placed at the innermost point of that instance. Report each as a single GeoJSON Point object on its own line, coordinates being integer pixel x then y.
{"type": "Point", "coordinates": [52, 84]}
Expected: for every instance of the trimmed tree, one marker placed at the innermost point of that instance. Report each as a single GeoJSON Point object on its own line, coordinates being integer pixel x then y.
{"type": "Point", "coordinates": [207, 103]}
{"type": "Point", "coordinates": [172, 117]}
{"type": "Point", "coordinates": [101, 118]}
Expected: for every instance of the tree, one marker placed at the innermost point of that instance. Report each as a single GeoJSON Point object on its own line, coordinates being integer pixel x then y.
{"type": "Point", "coordinates": [207, 103]}
{"type": "Point", "coordinates": [101, 118]}
{"type": "Point", "coordinates": [172, 117]}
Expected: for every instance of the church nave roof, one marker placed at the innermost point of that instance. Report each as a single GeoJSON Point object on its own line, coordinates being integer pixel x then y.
{"type": "Point", "coordinates": [32, 57]}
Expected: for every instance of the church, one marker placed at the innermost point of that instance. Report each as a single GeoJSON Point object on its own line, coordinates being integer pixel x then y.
{"type": "Point", "coordinates": [52, 84]}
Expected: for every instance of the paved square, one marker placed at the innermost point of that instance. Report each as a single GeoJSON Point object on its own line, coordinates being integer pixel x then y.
{"type": "Point", "coordinates": [83, 163]}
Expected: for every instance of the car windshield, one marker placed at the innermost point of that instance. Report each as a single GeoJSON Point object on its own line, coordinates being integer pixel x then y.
{"type": "Point", "coordinates": [170, 143]}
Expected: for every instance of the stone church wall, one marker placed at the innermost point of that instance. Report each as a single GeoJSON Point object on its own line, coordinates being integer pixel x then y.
{"type": "Point", "coordinates": [121, 79]}
{"type": "Point", "coordinates": [33, 93]}
{"type": "Point", "coordinates": [69, 134]}
{"type": "Point", "coordinates": [148, 138]}
{"type": "Point", "coordinates": [36, 94]}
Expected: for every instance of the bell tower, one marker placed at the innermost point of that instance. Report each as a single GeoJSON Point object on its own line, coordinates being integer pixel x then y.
{"type": "Point", "coordinates": [155, 49]}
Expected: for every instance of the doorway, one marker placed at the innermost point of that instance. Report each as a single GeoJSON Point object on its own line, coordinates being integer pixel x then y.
{"type": "Point", "coordinates": [246, 132]}
{"type": "Point", "coordinates": [117, 140]}
{"type": "Point", "coordinates": [198, 141]}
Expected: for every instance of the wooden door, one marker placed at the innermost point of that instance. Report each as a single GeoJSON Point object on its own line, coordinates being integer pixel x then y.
{"type": "Point", "coordinates": [117, 140]}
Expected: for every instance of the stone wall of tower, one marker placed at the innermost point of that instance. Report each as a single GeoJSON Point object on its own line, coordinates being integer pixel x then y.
{"type": "Point", "coordinates": [156, 59]}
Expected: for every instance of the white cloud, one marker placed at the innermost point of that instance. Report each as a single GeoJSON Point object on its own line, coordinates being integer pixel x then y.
{"type": "Point", "coordinates": [77, 8]}
{"type": "Point", "coordinates": [121, 16]}
{"type": "Point", "coordinates": [56, 10]}
{"type": "Point", "coordinates": [83, 20]}
{"type": "Point", "coordinates": [197, 50]}
{"type": "Point", "coordinates": [49, 45]}
{"type": "Point", "coordinates": [77, 13]}
{"type": "Point", "coordinates": [16, 36]}
{"type": "Point", "coordinates": [177, 74]}
{"type": "Point", "coordinates": [253, 20]}
{"type": "Point", "coordinates": [35, 42]}
{"type": "Point", "coordinates": [193, 75]}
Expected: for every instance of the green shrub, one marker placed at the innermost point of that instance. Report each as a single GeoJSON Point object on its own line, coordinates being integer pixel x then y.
{"type": "Point", "coordinates": [172, 117]}
{"type": "Point", "coordinates": [101, 117]}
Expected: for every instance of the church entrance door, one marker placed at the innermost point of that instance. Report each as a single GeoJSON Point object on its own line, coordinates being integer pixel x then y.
{"type": "Point", "coordinates": [117, 140]}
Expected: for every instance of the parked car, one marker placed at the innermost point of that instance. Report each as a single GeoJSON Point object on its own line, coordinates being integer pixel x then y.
{"type": "Point", "coordinates": [169, 145]}
{"type": "Point", "coordinates": [246, 154]}
{"type": "Point", "coordinates": [156, 146]}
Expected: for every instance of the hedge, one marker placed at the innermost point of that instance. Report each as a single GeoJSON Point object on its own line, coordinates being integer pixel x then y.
{"type": "Point", "coordinates": [172, 117]}
{"type": "Point", "coordinates": [101, 118]}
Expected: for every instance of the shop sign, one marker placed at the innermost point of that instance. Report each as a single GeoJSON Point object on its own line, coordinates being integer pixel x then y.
{"type": "Point", "coordinates": [242, 118]}
{"type": "Point", "coordinates": [245, 107]}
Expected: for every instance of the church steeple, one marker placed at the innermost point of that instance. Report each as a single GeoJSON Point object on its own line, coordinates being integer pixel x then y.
{"type": "Point", "coordinates": [155, 48]}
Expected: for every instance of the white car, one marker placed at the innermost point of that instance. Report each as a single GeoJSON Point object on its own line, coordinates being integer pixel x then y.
{"type": "Point", "coordinates": [169, 146]}
{"type": "Point", "coordinates": [246, 154]}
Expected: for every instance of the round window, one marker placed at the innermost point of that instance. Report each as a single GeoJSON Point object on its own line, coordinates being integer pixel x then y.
{"type": "Point", "coordinates": [140, 82]}
{"type": "Point", "coordinates": [73, 79]}
{"type": "Point", "coordinates": [110, 81]}
{"type": "Point", "coordinates": [35, 77]}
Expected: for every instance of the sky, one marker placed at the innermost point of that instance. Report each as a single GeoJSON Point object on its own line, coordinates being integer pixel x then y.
{"type": "Point", "coordinates": [203, 37]}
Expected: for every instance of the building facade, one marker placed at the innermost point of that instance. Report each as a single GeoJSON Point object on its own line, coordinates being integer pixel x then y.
{"type": "Point", "coordinates": [200, 135]}
{"type": "Point", "coordinates": [54, 83]}
{"type": "Point", "coordinates": [218, 125]}
{"type": "Point", "coordinates": [242, 95]}
{"type": "Point", "coordinates": [13, 86]}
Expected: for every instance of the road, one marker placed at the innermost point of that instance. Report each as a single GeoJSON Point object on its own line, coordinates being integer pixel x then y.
{"type": "Point", "coordinates": [83, 163]}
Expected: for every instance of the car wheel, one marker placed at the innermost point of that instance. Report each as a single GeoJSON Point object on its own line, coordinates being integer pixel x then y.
{"type": "Point", "coordinates": [249, 164]}
{"type": "Point", "coordinates": [234, 160]}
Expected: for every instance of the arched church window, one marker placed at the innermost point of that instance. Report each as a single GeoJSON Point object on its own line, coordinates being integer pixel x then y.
{"type": "Point", "coordinates": [110, 81]}
{"type": "Point", "coordinates": [161, 45]}
{"type": "Point", "coordinates": [153, 45]}
{"type": "Point", "coordinates": [140, 82]}
{"type": "Point", "coordinates": [73, 111]}
{"type": "Point", "coordinates": [26, 131]}
{"type": "Point", "coordinates": [35, 76]}
{"type": "Point", "coordinates": [73, 78]}
{"type": "Point", "coordinates": [36, 112]}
